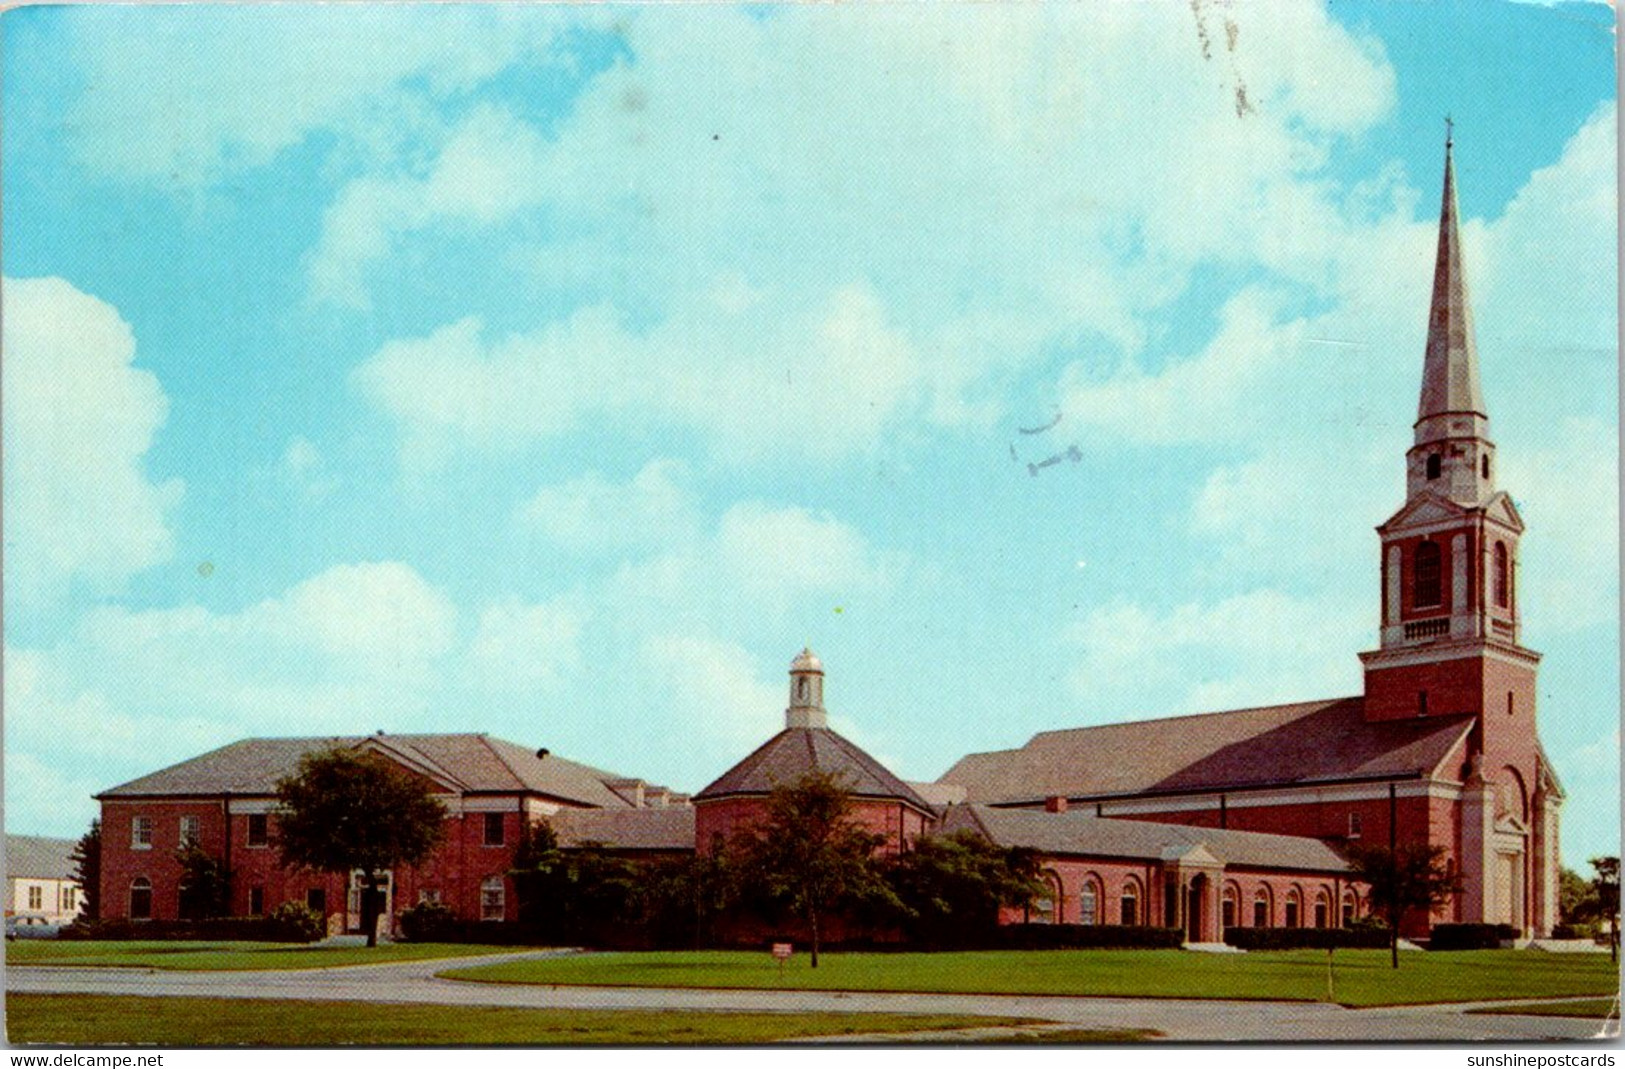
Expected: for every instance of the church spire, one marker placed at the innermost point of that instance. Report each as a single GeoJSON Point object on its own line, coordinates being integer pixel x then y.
{"type": "Point", "coordinates": [1452, 450]}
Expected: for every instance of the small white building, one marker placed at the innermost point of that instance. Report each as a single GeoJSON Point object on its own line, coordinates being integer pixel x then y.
{"type": "Point", "coordinates": [39, 878]}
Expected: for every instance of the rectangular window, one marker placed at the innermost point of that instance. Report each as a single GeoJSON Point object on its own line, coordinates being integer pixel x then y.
{"type": "Point", "coordinates": [1130, 910]}
{"type": "Point", "coordinates": [1291, 914]}
{"type": "Point", "coordinates": [190, 830]}
{"type": "Point", "coordinates": [493, 829]}
{"type": "Point", "coordinates": [1355, 826]}
{"type": "Point", "coordinates": [1261, 914]}
{"type": "Point", "coordinates": [492, 903]}
{"type": "Point", "coordinates": [256, 901]}
{"type": "Point", "coordinates": [316, 900]}
{"type": "Point", "coordinates": [70, 900]}
{"type": "Point", "coordinates": [259, 829]}
{"type": "Point", "coordinates": [428, 894]}
{"type": "Point", "coordinates": [36, 897]}
{"type": "Point", "coordinates": [141, 833]}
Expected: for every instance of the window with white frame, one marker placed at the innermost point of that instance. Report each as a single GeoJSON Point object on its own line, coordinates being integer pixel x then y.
{"type": "Point", "coordinates": [141, 833]}
{"type": "Point", "coordinates": [1356, 826]}
{"type": "Point", "coordinates": [1089, 904]}
{"type": "Point", "coordinates": [428, 894]}
{"type": "Point", "coordinates": [493, 901]}
{"type": "Point", "coordinates": [191, 830]}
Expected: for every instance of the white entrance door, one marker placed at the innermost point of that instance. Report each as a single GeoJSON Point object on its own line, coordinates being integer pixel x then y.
{"type": "Point", "coordinates": [352, 910]}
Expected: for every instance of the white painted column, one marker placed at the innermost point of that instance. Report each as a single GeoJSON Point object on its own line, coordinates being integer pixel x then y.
{"type": "Point", "coordinates": [1391, 629]}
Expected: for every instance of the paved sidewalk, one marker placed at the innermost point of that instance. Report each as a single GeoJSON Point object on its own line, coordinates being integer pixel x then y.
{"type": "Point", "coordinates": [1198, 1021]}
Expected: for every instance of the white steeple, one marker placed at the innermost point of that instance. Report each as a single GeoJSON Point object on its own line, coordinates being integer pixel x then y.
{"type": "Point", "coordinates": [806, 693]}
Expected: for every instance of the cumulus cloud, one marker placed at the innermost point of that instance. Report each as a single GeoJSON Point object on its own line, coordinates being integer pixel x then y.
{"type": "Point", "coordinates": [79, 419]}
{"type": "Point", "coordinates": [590, 514]}
{"type": "Point", "coordinates": [714, 685]}
{"type": "Point", "coordinates": [520, 646]}
{"type": "Point", "coordinates": [184, 102]}
{"type": "Point", "coordinates": [1251, 649]}
{"type": "Point", "coordinates": [755, 372]}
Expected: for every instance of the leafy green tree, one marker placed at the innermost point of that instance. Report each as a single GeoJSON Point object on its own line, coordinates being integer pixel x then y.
{"type": "Point", "coordinates": [1606, 884]}
{"type": "Point", "coordinates": [1414, 876]}
{"type": "Point", "coordinates": [1576, 897]}
{"type": "Point", "coordinates": [578, 895]}
{"type": "Point", "coordinates": [954, 885]}
{"type": "Point", "coordinates": [810, 856]}
{"type": "Point", "coordinates": [204, 883]}
{"type": "Point", "coordinates": [684, 897]}
{"type": "Point", "coordinates": [345, 810]}
{"type": "Point", "coordinates": [87, 870]}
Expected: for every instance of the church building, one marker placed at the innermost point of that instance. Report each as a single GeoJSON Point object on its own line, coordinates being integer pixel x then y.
{"type": "Point", "coordinates": [1239, 818]}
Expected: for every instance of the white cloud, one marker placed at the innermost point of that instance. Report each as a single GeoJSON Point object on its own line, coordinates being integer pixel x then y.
{"type": "Point", "coordinates": [520, 647]}
{"type": "Point", "coordinates": [79, 419]}
{"type": "Point", "coordinates": [184, 98]}
{"type": "Point", "coordinates": [1255, 648]}
{"type": "Point", "coordinates": [757, 373]}
{"type": "Point", "coordinates": [714, 686]}
{"type": "Point", "coordinates": [590, 514]}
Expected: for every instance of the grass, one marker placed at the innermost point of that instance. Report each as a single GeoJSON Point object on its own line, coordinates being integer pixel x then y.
{"type": "Point", "coordinates": [1600, 1008]}
{"type": "Point", "coordinates": [224, 957]}
{"type": "Point", "coordinates": [84, 1020]}
{"type": "Point", "coordinates": [1362, 977]}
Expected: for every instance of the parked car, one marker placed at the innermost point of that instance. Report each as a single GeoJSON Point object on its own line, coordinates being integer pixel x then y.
{"type": "Point", "coordinates": [31, 926]}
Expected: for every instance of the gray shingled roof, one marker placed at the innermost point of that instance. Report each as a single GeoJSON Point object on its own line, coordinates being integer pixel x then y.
{"type": "Point", "coordinates": [793, 752]}
{"type": "Point", "coordinates": [1277, 745]}
{"type": "Point", "coordinates": [30, 855]}
{"type": "Point", "coordinates": [659, 828]}
{"type": "Point", "coordinates": [467, 762]}
{"type": "Point", "coordinates": [1083, 833]}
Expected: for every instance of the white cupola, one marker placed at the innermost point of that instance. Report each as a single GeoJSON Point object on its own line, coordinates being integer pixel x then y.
{"type": "Point", "coordinates": [806, 693]}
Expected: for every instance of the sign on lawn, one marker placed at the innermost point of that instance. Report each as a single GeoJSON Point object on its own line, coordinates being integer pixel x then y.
{"type": "Point", "coordinates": [782, 952]}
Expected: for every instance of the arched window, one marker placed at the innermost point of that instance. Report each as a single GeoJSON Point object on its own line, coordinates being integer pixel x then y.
{"type": "Point", "coordinates": [140, 899]}
{"type": "Point", "coordinates": [1503, 585]}
{"type": "Point", "coordinates": [1230, 906]}
{"type": "Point", "coordinates": [1261, 909]}
{"type": "Point", "coordinates": [1129, 906]}
{"type": "Point", "coordinates": [1046, 909]}
{"type": "Point", "coordinates": [801, 688]}
{"type": "Point", "coordinates": [1433, 466]}
{"type": "Point", "coordinates": [1349, 909]}
{"type": "Point", "coordinates": [493, 899]}
{"type": "Point", "coordinates": [1089, 903]}
{"type": "Point", "coordinates": [1425, 577]}
{"type": "Point", "coordinates": [1323, 910]}
{"type": "Point", "coordinates": [1294, 908]}
{"type": "Point", "coordinates": [1485, 465]}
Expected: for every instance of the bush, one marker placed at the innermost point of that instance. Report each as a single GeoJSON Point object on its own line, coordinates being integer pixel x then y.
{"type": "Point", "coordinates": [295, 922]}
{"type": "Point", "coordinates": [1085, 936]}
{"type": "Point", "coordinates": [217, 929]}
{"type": "Point", "coordinates": [1374, 938]}
{"type": "Point", "coordinates": [427, 922]}
{"type": "Point", "coordinates": [1470, 936]}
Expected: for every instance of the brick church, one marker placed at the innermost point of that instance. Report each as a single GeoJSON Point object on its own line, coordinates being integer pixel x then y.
{"type": "Point", "coordinates": [1239, 818]}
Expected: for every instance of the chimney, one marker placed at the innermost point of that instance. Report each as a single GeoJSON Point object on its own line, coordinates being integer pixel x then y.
{"type": "Point", "coordinates": [1055, 803]}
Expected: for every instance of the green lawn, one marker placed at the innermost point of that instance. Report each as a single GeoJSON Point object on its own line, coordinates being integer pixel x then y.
{"type": "Point", "coordinates": [228, 956]}
{"type": "Point", "coordinates": [1362, 977]}
{"type": "Point", "coordinates": [1600, 1008]}
{"type": "Point", "coordinates": [85, 1020]}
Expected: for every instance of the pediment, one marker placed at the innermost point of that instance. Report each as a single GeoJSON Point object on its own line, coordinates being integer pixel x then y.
{"type": "Point", "coordinates": [1426, 508]}
{"type": "Point", "coordinates": [1501, 510]}
{"type": "Point", "coordinates": [443, 783]}
{"type": "Point", "coordinates": [1195, 855]}
{"type": "Point", "coordinates": [1510, 825]}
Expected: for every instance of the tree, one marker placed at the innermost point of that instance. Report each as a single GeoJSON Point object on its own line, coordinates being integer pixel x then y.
{"type": "Point", "coordinates": [954, 885]}
{"type": "Point", "coordinates": [1413, 876]}
{"type": "Point", "coordinates": [1576, 897]}
{"type": "Point", "coordinates": [204, 883]}
{"type": "Point", "coordinates": [809, 855]}
{"type": "Point", "coordinates": [345, 810]}
{"type": "Point", "coordinates": [580, 895]}
{"type": "Point", "coordinates": [87, 870]}
{"type": "Point", "coordinates": [1606, 884]}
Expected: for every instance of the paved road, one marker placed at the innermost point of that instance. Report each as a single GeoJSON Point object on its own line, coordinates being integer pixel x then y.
{"type": "Point", "coordinates": [1188, 1021]}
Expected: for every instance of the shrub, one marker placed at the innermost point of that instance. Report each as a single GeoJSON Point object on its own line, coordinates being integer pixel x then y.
{"type": "Point", "coordinates": [1582, 930]}
{"type": "Point", "coordinates": [1470, 936]}
{"type": "Point", "coordinates": [295, 922]}
{"type": "Point", "coordinates": [1374, 938]}
{"type": "Point", "coordinates": [221, 929]}
{"type": "Point", "coordinates": [1085, 936]}
{"type": "Point", "coordinates": [427, 922]}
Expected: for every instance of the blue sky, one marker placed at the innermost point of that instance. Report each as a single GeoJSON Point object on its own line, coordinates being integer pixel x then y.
{"type": "Point", "coordinates": [559, 373]}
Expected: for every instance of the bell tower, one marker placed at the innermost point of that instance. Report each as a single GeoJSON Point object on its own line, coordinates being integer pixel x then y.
{"type": "Point", "coordinates": [806, 709]}
{"type": "Point", "coordinates": [1450, 619]}
{"type": "Point", "coordinates": [1450, 615]}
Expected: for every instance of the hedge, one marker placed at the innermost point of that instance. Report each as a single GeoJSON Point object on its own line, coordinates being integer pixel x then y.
{"type": "Point", "coordinates": [274, 929]}
{"type": "Point", "coordinates": [1305, 938]}
{"type": "Point", "coordinates": [1470, 936]}
{"type": "Point", "coordinates": [1085, 936]}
